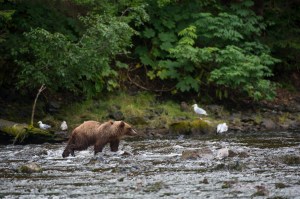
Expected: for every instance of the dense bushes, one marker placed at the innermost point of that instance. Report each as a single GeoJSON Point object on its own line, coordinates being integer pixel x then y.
{"type": "Point", "coordinates": [83, 66]}
{"type": "Point", "coordinates": [195, 45]}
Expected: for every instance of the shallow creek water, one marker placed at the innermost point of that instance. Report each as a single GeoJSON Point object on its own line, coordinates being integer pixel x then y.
{"type": "Point", "coordinates": [264, 166]}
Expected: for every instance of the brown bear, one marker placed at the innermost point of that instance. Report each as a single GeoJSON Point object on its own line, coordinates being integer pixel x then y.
{"type": "Point", "coordinates": [94, 133]}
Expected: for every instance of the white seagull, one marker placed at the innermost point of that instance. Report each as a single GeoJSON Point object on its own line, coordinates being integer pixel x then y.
{"type": "Point", "coordinates": [43, 126]}
{"type": "Point", "coordinates": [198, 110]}
{"type": "Point", "coordinates": [221, 128]}
{"type": "Point", "coordinates": [64, 126]}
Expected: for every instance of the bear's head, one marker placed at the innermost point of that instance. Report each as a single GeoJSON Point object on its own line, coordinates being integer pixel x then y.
{"type": "Point", "coordinates": [124, 129]}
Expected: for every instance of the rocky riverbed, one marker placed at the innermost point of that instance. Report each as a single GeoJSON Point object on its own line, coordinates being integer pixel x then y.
{"type": "Point", "coordinates": [258, 164]}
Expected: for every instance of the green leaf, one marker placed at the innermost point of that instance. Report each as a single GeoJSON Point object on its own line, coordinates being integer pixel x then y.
{"type": "Point", "coordinates": [121, 65]}
{"type": "Point", "coordinates": [149, 33]}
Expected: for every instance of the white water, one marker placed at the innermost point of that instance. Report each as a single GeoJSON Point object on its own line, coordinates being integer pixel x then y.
{"type": "Point", "coordinates": [155, 169]}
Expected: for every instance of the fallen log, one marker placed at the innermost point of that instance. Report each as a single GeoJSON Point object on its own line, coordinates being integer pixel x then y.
{"type": "Point", "coordinates": [15, 133]}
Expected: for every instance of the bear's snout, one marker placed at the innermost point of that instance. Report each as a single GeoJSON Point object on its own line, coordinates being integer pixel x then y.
{"type": "Point", "coordinates": [132, 133]}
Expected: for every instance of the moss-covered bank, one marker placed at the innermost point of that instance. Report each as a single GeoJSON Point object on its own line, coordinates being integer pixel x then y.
{"type": "Point", "coordinates": [156, 117]}
{"type": "Point", "coordinates": [11, 132]}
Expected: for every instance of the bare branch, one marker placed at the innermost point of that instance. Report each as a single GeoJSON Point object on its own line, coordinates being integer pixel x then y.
{"type": "Point", "coordinates": [147, 89]}
{"type": "Point", "coordinates": [34, 104]}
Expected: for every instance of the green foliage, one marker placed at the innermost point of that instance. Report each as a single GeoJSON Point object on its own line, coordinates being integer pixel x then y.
{"type": "Point", "coordinates": [82, 67]}
{"type": "Point", "coordinates": [244, 71]}
{"type": "Point", "coordinates": [18, 17]}
{"type": "Point", "coordinates": [5, 18]}
{"type": "Point", "coordinates": [217, 47]}
{"type": "Point", "coordinates": [283, 34]}
{"type": "Point", "coordinates": [193, 46]}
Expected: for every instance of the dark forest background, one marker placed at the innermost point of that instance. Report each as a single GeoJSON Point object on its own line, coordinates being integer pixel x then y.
{"type": "Point", "coordinates": [221, 49]}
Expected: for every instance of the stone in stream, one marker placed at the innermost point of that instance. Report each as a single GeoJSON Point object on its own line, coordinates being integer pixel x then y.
{"type": "Point", "coordinates": [197, 153]}
{"type": "Point", "coordinates": [195, 127]}
{"type": "Point", "coordinates": [268, 124]}
{"type": "Point", "coordinates": [30, 168]}
{"type": "Point", "coordinates": [261, 190]}
{"type": "Point", "coordinates": [222, 153]}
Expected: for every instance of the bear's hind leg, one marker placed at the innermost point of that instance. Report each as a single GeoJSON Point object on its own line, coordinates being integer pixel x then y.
{"type": "Point", "coordinates": [114, 145]}
{"type": "Point", "coordinates": [72, 153]}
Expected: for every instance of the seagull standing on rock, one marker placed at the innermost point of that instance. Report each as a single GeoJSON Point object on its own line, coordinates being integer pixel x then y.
{"type": "Point", "coordinates": [43, 126]}
{"type": "Point", "coordinates": [64, 126]}
{"type": "Point", "coordinates": [221, 128]}
{"type": "Point", "coordinates": [198, 110]}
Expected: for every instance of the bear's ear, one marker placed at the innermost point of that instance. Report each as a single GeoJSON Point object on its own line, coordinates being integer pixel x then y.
{"type": "Point", "coordinates": [122, 124]}
{"type": "Point", "coordinates": [111, 122]}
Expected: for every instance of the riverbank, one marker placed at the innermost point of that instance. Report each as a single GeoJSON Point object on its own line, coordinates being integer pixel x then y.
{"type": "Point", "coordinates": [153, 117]}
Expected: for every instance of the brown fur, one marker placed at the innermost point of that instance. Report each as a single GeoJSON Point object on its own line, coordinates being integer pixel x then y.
{"type": "Point", "coordinates": [94, 133]}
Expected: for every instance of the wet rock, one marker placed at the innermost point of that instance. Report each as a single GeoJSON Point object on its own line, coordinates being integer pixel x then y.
{"type": "Point", "coordinates": [190, 155]}
{"type": "Point", "coordinates": [184, 107]}
{"type": "Point", "coordinates": [280, 185]}
{"type": "Point", "coordinates": [287, 124]}
{"type": "Point", "coordinates": [228, 184]}
{"type": "Point", "coordinates": [236, 128]}
{"type": "Point", "coordinates": [195, 127]}
{"type": "Point", "coordinates": [235, 117]}
{"type": "Point", "coordinates": [247, 119]}
{"type": "Point", "coordinates": [220, 167]}
{"type": "Point", "coordinates": [30, 168]}
{"type": "Point", "coordinates": [261, 191]}
{"type": "Point", "coordinates": [121, 179]}
{"type": "Point", "coordinates": [236, 166]}
{"type": "Point", "coordinates": [290, 159]}
{"type": "Point", "coordinates": [293, 109]}
{"type": "Point", "coordinates": [205, 181]}
{"type": "Point", "coordinates": [268, 124]}
{"type": "Point", "coordinates": [115, 114]}
{"type": "Point", "coordinates": [197, 153]}
{"type": "Point", "coordinates": [92, 161]}
{"type": "Point", "coordinates": [42, 152]}
{"type": "Point", "coordinates": [222, 153]}
{"type": "Point", "coordinates": [243, 154]}
{"type": "Point", "coordinates": [201, 127]}
{"type": "Point", "coordinates": [155, 187]}
{"type": "Point", "coordinates": [182, 127]}
{"type": "Point", "coordinates": [232, 153]}
{"type": "Point", "coordinates": [125, 153]}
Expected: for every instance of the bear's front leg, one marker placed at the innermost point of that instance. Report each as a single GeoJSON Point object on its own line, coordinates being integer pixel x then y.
{"type": "Point", "coordinates": [98, 147]}
{"type": "Point", "coordinates": [114, 145]}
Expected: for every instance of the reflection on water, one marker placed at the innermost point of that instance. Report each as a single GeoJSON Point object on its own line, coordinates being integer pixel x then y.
{"type": "Point", "coordinates": [261, 165]}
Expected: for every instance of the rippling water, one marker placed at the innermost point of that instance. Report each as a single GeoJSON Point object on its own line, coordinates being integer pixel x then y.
{"type": "Point", "coordinates": [155, 168]}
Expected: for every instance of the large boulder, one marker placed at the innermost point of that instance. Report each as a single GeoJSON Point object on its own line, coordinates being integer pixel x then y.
{"type": "Point", "coordinates": [193, 154]}
{"type": "Point", "coordinates": [194, 127]}
{"type": "Point", "coordinates": [30, 168]}
{"type": "Point", "coordinates": [268, 124]}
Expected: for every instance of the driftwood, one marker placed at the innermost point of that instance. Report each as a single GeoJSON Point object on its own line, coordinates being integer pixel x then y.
{"type": "Point", "coordinates": [15, 133]}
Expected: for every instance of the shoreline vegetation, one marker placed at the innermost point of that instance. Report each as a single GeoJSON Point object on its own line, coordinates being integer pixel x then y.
{"type": "Point", "coordinates": [147, 62]}
{"type": "Point", "coordinates": [151, 117]}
